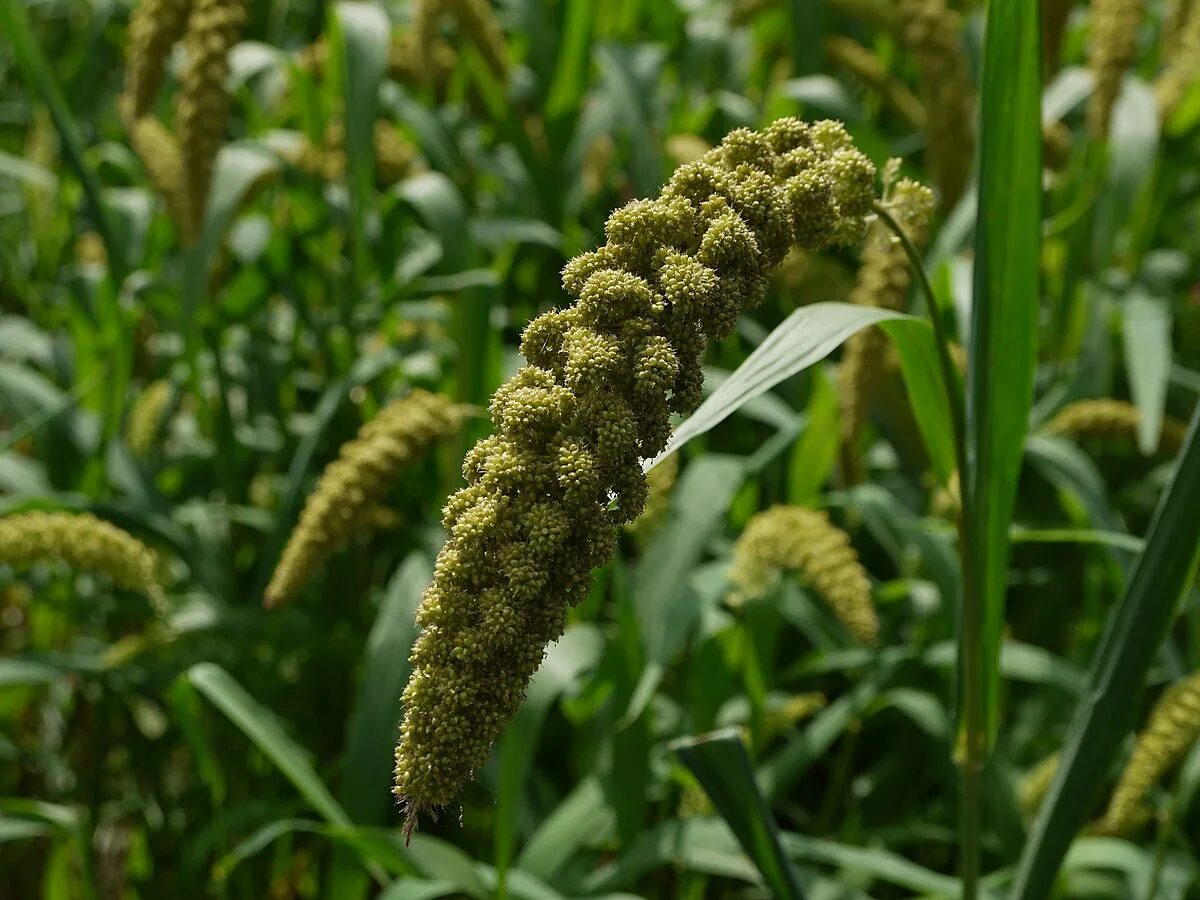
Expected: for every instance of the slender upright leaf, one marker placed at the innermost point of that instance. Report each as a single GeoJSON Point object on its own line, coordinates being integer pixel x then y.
{"type": "Point", "coordinates": [1161, 576]}
{"type": "Point", "coordinates": [1003, 339]}
{"type": "Point", "coordinates": [258, 724]}
{"type": "Point", "coordinates": [720, 763]}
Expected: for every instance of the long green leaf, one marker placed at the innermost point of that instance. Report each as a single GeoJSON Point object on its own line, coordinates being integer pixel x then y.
{"type": "Point", "coordinates": [805, 337]}
{"type": "Point", "coordinates": [1161, 576]}
{"type": "Point", "coordinates": [377, 707]}
{"type": "Point", "coordinates": [1146, 333]}
{"type": "Point", "coordinates": [720, 763]}
{"type": "Point", "coordinates": [261, 726]}
{"type": "Point", "coordinates": [1003, 340]}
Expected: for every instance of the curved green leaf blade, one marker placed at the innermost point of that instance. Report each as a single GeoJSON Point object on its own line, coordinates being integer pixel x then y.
{"type": "Point", "coordinates": [261, 726]}
{"type": "Point", "coordinates": [1161, 576]}
{"type": "Point", "coordinates": [805, 337]}
{"type": "Point", "coordinates": [720, 764]}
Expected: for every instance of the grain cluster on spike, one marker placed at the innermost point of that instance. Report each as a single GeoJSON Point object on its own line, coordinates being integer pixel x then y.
{"type": "Point", "coordinates": [794, 539]}
{"type": "Point", "coordinates": [546, 493]}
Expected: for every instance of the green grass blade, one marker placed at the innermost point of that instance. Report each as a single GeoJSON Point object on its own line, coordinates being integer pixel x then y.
{"type": "Point", "coordinates": [577, 651]}
{"type": "Point", "coordinates": [802, 339]}
{"type": "Point", "coordinates": [1146, 339]}
{"type": "Point", "coordinates": [720, 763]}
{"type": "Point", "coordinates": [365, 787]}
{"type": "Point", "coordinates": [916, 345]}
{"type": "Point", "coordinates": [1003, 341]}
{"type": "Point", "coordinates": [261, 726]}
{"type": "Point", "coordinates": [575, 54]}
{"type": "Point", "coordinates": [808, 32]}
{"type": "Point", "coordinates": [1161, 576]}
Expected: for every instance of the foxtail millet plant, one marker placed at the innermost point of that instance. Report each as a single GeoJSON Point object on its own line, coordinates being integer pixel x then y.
{"type": "Point", "coordinates": [145, 417]}
{"type": "Point", "coordinates": [84, 543]}
{"type": "Point", "coordinates": [1035, 784]}
{"type": "Point", "coordinates": [155, 26]}
{"type": "Point", "coordinates": [346, 497]}
{"type": "Point", "coordinates": [159, 152]}
{"type": "Point", "coordinates": [933, 34]}
{"type": "Point", "coordinates": [868, 68]}
{"type": "Point", "coordinates": [394, 156]}
{"type": "Point", "coordinates": [475, 19]}
{"type": "Point", "coordinates": [1111, 51]}
{"type": "Point", "coordinates": [478, 21]}
{"type": "Point", "coordinates": [546, 493]}
{"type": "Point", "coordinates": [202, 104]}
{"type": "Point", "coordinates": [795, 539]}
{"type": "Point", "coordinates": [1173, 727]}
{"type": "Point", "coordinates": [883, 281]}
{"type": "Point", "coordinates": [1180, 55]}
{"type": "Point", "coordinates": [1109, 420]}
{"type": "Point", "coordinates": [660, 481]}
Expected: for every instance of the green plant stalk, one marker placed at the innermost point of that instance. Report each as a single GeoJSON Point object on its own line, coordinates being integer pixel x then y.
{"type": "Point", "coordinates": [971, 812]}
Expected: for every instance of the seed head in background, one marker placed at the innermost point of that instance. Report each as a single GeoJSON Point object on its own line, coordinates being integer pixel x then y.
{"type": "Point", "coordinates": [84, 543]}
{"type": "Point", "coordinates": [1173, 727]}
{"type": "Point", "coordinates": [202, 104]}
{"type": "Point", "coordinates": [145, 417]}
{"type": "Point", "coordinates": [155, 26]}
{"type": "Point", "coordinates": [595, 398]}
{"type": "Point", "coordinates": [933, 34]}
{"type": "Point", "coordinates": [660, 481]}
{"type": "Point", "coordinates": [883, 281]}
{"type": "Point", "coordinates": [159, 152]}
{"type": "Point", "coordinates": [475, 19]}
{"type": "Point", "coordinates": [1111, 51]}
{"type": "Point", "coordinates": [792, 538]}
{"type": "Point", "coordinates": [1112, 421]}
{"type": "Point", "coordinates": [1180, 55]}
{"type": "Point", "coordinates": [345, 499]}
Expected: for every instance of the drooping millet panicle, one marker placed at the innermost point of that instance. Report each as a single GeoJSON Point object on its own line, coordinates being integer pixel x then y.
{"type": "Point", "coordinates": [596, 396]}
{"type": "Point", "coordinates": [413, 64]}
{"type": "Point", "coordinates": [146, 416]}
{"type": "Point", "coordinates": [660, 481]}
{"type": "Point", "coordinates": [202, 104]}
{"type": "Point", "coordinates": [1181, 55]}
{"type": "Point", "coordinates": [868, 68]}
{"type": "Point", "coordinates": [159, 152]}
{"type": "Point", "coordinates": [478, 21]}
{"type": "Point", "coordinates": [933, 34]}
{"type": "Point", "coordinates": [394, 156]}
{"type": "Point", "coordinates": [405, 59]}
{"type": "Point", "coordinates": [884, 277]}
{"type": "Point", "coordinates": [793, 538]}
{"type": "Point", "coordinates": [90, 250]}
{"type": "Point", "coordinates": [790, 712]}
{"type": "Point", "coordinates": [475, 19]}
{"type": "Point", "coordinates": [84, 543]}
{"type": "Point", "coordinates": [1173, 727]}
{"type": "Point", "coordinates": [347, 494]}
{"type": "Point", "coordinates": [1111, 51]}
{"type": "Point", "coordinates": [1034, 785]}
{"type": "Point", "coordinates": [1112, 420]}
{"type": "Point", "coordinates": [155, 26]}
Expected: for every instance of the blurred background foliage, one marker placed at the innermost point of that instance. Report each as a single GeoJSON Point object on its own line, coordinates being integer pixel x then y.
{"type": "Point", "coordinates": [393, 201]}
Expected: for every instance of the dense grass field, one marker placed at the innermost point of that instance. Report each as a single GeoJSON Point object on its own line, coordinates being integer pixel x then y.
{"type": "Point", "coordinates": [323, 576]}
